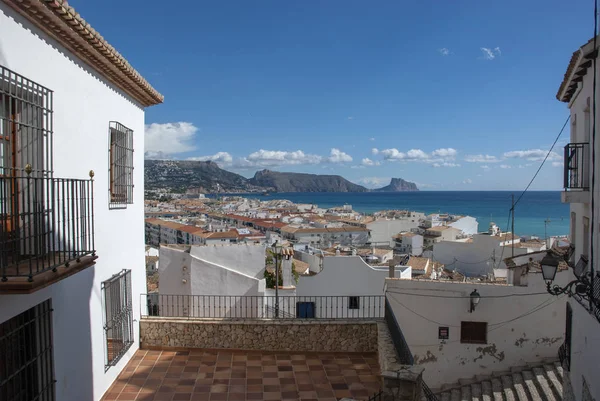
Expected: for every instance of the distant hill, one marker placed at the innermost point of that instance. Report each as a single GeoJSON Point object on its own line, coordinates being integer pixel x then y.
{"type": "Point", "coordinates": [183, 174]}
{"type": "Point", "coordinates": [300, 182]}
{"type": "Point", "coordinates": [398, 185]}
{"type": "Point", "coordinates": [179, 175]}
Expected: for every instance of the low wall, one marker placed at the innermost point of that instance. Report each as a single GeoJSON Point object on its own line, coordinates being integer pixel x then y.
{"type": "Point", "coordinates": [263, 335]}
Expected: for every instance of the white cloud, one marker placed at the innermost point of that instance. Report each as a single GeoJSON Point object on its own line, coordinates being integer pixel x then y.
{"type": "Point", "coordinates": [411, 155]}
{"type": "Point", "coordinates": [444, 51]}
{"type": "Point", "coordinates": [446, 164]}
{"type": "Point", "coordinates": [444, 152]}
{"type": "Point", "coordinates": [374, 182]}
{"type": "Point", "coordinates": [557, 164]}
{"type": "Point", "coordinates": [368, 162]}
{"type": "Point", "coordinates": [350, 118]}
{"type": "Point", "coordinates": [219, 157]}
{"type": "Point", "coordinates": [374, 151]}
{"type": "Point", "coordinates": [532, 155]}
{"type": "Point", "coordinates": [169, 138]}
{"type": "Point", "coordinates": [481, 159]}
{"type": "Point", "coordinates": [489, 53]}
{"type": "Point", "coordinates": [337, 156]}
{"type": "Point", "coordinates": [279, 157]}
{"type": "Point", "coordinates": [371, 139]}
{"type": "Point", "coordinates": [505, 166]}
{"type": "Point", "coordinates": [485, 167]}
{"type": "Point", "coordinates": [468, 181]}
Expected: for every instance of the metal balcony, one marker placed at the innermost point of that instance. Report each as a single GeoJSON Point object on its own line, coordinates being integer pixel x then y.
{"type": "Point", "coordinates": [576, 173]}
{"type": "Point", "coordinates": [46, 230]}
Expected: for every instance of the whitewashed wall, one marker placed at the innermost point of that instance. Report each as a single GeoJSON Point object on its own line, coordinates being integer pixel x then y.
{"type": "Point", "coordinates": [384, 230]}
{"type": "Point", "coordinates": [513, 338]}
{"type": "Point", "coordinates": [84, 103]}
{"type": "Point", "coordinates": [467, 225]}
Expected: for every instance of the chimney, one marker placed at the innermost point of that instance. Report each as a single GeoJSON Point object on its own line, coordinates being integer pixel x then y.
{"type": "Point", "coordinates": [286, 270]}
{"type": "Point", "coordinates": [392, 268]}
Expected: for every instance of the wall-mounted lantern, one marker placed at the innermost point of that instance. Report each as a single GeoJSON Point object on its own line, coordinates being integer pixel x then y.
{"type": "Point", "coordinates": [581, 286]}
{"type": "Point", "coordinates": [475, 298]}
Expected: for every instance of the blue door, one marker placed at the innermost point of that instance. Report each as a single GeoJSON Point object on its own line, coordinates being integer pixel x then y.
{"type": "Point", "coordinates": [305, 310]}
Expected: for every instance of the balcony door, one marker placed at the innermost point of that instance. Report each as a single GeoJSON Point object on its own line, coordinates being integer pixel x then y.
{"type": "Point", "coordinates": [24, 140]}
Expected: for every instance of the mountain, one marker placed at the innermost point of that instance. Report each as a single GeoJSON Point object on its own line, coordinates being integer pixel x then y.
{"type": "Point", "coordinates": [180, 175]}
{"type": "Point", "coordinates": [398, 185]}
{"type": "Point", "coordinates": [300, 182]}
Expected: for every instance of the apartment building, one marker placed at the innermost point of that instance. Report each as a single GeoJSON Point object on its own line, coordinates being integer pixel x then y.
{"type": "Point", "coordinates": [71, 199]}
{"type": "Point", "coordinates": [580, 352]}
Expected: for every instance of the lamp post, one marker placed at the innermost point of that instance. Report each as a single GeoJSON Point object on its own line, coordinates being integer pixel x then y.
{"type": "Point", "coordinates": [276, 250]}
{"type": "Point", "coordinates": [581, 286]}
{"type": "Point", "coordinates": [475, 298]}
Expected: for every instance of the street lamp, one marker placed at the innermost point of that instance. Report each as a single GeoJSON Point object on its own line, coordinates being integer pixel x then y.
{"type": "Point", "coordinates": [581, 286]}
{"type": "Point", "coordinates": [475, 298]}
{"type": "Point", "coordinates": [276, 250]}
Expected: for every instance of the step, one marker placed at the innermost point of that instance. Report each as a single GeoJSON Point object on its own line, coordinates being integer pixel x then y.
{"type": "Point", "coordinates": [465, 393]}
{"type": "Point", "coordinates": [529, 379]}
{"type": "Point", "coordinates": [476, 392]}
{"type": "Point", "coordinates": [455, 395]}
{"type": "Point", "coordinates": [540, 374]}
{"type": "Point", "coordinates": [519, 385]}
{"type": "Point", "coordinates": [486, 391]}
{"type": "Point", "coordinates": [497, 389]}
{"type": "Point", "coordinates": [552, 375]}
{"type": "Point", "coordinates": [444, 396]}
{"type": "Point", "coordinates": [507, 383]}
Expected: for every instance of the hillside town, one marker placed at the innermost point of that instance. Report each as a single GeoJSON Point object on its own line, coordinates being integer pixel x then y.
{"type": "Point", "coordinates": [111, 291]}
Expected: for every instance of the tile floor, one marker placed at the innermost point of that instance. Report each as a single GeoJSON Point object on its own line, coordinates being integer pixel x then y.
{"type": "Point", "coordinates": [239, 375]}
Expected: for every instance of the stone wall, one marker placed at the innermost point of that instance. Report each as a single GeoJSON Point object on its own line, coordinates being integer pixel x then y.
{"type": "Point", "coordinates": [264, 335]}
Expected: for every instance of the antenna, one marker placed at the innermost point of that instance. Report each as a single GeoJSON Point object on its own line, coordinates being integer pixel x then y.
{"type": "Point", "coordinates": [546, 222]}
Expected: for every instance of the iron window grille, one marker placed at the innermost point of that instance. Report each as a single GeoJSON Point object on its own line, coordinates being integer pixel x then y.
{"type": "Point", "coordinates": [473, 332]}
{"type": "Point", "coordinates": [26, 355]}
{"type": "Point", "coordinates": [118, 317]}
{"type": "Point", "coordinates": [121, 165]}
{"type": "Point", "coordinates": [353, 302]}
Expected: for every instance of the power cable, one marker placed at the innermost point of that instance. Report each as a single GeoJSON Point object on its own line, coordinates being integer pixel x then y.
{"type": "Point", "coordinates": [529, 294]}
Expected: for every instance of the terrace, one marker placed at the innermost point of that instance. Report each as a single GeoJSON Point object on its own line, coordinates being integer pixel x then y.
{"type": "Point", "coordinates": [228, 351]}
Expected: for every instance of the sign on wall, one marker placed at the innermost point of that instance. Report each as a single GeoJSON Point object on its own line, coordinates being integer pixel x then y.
{"type": "Point", "coordinates": [443, 333]}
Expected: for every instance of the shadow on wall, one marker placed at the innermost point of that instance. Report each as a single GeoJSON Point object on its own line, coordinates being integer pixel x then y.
{"type": "Point", "coordinates": [73, 351]}
{"type": "Point", "coordinates": [3, 60]}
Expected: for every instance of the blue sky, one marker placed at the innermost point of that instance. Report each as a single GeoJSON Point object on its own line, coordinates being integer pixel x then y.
{"type": "Point", "coordinates": [454, 95]}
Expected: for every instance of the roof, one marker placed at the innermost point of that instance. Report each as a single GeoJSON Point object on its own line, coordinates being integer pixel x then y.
{"type": "Point", "coordinates": [300, 267]}
{"type": "Point", "coordinates": [574, 74]}
{"type": "Point", "coordinates": [222, 234]}
{"type": "Point", "coordinates": [307, 230]}
{"type": "Point", "coordinates": [439, 228]}
{"type": "Point", "coordinates": [403, 235]}
{"type": "Point", "coordinates": [418, 263]}
{"type": "Point", "coordinates": [60, 21]}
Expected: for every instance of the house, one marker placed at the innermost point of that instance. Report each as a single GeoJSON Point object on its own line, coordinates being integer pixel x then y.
{"type": "Point", "coordinates": [408, 243]}
{"type": "Point", "coordinates": [580, 353]}
{"type": "Point", "coordinates": [326, 236]}
{"type": "Point", "coordinates": [72, 188]}
{"type": "Point", "coordinates": [455, 339]}
{"type": "Point", "coordinates": [383, 230]}
{"type": "Point", "coordinates": [437, 234]}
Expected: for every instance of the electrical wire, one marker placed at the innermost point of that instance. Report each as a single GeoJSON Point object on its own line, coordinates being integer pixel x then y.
{"type": "Point", "coordinates": [528, 294]}
{"type": "Point", "coordinates": [542, 164]}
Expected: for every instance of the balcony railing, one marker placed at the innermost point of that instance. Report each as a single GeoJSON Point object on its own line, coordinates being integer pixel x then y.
{"type": "Point", "coordinates": [576, 170]}
{"type": "Point", "coordinates": [44, 223]}
{"type": "Point", "coordinates": [264, 307]}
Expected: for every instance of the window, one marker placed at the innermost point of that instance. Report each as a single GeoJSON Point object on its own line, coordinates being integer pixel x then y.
{"type": "Point", "coordinates": [353, 302]}
{"type": "Point", "coordinates": [121, 164]}
{"type": "Point", "coordinates": [26, 363]}
{"type": "Point", "coordinates": [118, 316]}
{"type": "Point", "coordinates": [473, 332]}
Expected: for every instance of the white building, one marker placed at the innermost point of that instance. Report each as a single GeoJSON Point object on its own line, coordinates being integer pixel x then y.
{"type": "Point", "coordinates": [345, 278]}
{"type": "Point", "coordinates": [69, 103]}
{"type": "Point", "coordinates": [511, 326]}
{"type": "Point", "coordinates": [583, 317]}
{"type": "Point", "coordinates": [383, 230]}
{"type": "Point", "coordinates": [408, 243]}
{"type": "Point", "coordinates": [325, 237]}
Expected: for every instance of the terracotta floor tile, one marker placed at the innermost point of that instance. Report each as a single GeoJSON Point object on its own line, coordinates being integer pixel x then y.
{"type": "Point", "coordinates": [205, 375]}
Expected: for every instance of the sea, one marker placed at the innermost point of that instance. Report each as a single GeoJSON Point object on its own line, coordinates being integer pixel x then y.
{"type": "Point", "coordinates": [537, 213]}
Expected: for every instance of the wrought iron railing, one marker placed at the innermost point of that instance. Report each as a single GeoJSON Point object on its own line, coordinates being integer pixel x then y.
{"type": "Point", "coordinates": [404, 353]}
{"type": "Point", "coordinates": [576, 170]}
{"type": "Point", "coordinates": [264, 307]}
{"type": "Point", "coordinates": [44, 223]}
{"type": "Point", "coordinates": [405, 356]}
{"type": "Point", "coordinates": [377, 396]}
{"type": "Point", "coordinates": [563, 356]}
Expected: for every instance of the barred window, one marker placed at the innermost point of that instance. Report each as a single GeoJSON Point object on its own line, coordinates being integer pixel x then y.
{"type": "Point", "coordinates": [473, 332]}
{"type": "Point", "coordinates": [26, 363]}
{"type": "Point", "coordinates": [118, 316]}
{"type": "Point", "coordinates": [121, 165]}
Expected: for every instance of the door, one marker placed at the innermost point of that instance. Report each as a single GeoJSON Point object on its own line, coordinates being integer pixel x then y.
{"type": "Point", "coordinates": [9, 205]}
{"type": "Point", "coordinates": [305, 310]}
{"type": "Point", "coordinates": [568, 332]}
